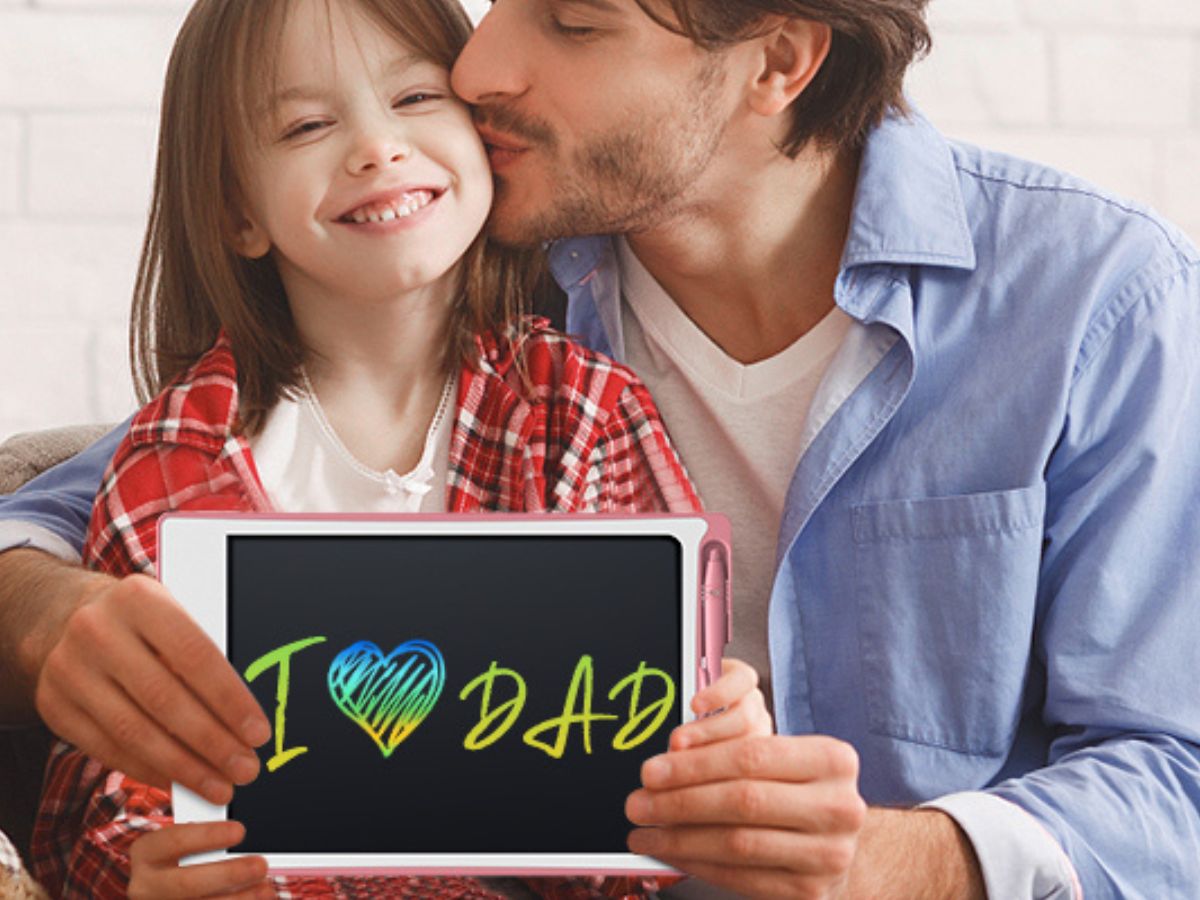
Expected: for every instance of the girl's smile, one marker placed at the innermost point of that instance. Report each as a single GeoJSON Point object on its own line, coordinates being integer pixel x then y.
{"type": "Point", "coordinates": [401, 203]}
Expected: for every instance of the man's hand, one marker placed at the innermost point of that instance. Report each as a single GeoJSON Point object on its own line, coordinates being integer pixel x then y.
{"type": "Point", "coordinates": [764, 816]}
{"type": "Point", "coordinates": [744, 809]}
{"type": "Point", "coordinates": [128, 677]}
{"type": "Point", "coordinates": [771, 816]}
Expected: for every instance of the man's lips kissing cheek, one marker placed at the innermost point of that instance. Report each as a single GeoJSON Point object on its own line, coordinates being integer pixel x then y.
{"type": "Point", "coordinates": [502, 150]}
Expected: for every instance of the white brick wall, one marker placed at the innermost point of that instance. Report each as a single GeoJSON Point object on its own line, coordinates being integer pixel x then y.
{"type": "Point", "coordinates": [1109, 89]}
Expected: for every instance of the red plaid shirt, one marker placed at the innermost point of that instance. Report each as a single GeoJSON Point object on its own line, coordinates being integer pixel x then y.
{"type": "Point", "coordinates": [581, 435]}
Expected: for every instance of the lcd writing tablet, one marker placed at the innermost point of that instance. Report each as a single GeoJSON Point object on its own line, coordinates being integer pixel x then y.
{"type": "Point", "coordinates": [446, 694]}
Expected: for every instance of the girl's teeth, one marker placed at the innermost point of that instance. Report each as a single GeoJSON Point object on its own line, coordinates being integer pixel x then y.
{"type": "Point", "coordinates": [412, 204]}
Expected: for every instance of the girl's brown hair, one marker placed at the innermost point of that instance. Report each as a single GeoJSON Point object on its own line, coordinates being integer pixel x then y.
{"type": "Point", "coordinates": [191, 281]}
{"type": "Point", "coordinates": [861, 80]}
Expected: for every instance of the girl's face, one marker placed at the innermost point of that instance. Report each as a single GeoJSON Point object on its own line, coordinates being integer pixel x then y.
{"type": "Point", "coordinates": [369, 180]}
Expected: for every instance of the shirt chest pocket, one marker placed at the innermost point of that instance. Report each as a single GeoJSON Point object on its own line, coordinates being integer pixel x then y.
{"type": "Point", "coordinates": [946, 590]}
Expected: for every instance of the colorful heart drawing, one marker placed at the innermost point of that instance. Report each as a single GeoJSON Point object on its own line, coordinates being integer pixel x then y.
{"type": "Point", "coordinates": [387, 696]}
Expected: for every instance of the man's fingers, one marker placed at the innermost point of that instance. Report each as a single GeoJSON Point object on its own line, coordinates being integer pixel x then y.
{"type": "Point", "coordinates": [768, 758]}
{"type": "Point", "coordinates": [120, 735]}
{"type": "Point", "coordinates": [170, 705]}
{"type": "Point", "coordinates": [133, 742]}
{"type": "Point", "coordinates": [751, 847]}
{"type": "Point", "coordinates": [748, 716]}
{"type": "Point", "coordinates": [737, 679]}
{"type": "Point", "coordinates": [120, 657]}
{"type": "Point", "coordinates": [74, 724]}
{"type": "Point", "coordinates": [818, 807]}
{"type": "Point", "coordinates": [189, 652]}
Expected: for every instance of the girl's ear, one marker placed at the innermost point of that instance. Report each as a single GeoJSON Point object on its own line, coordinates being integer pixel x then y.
{"type": "Point", "coordinates": [792, 53]}
{"type": "Point", "coordinates": [247, 237]}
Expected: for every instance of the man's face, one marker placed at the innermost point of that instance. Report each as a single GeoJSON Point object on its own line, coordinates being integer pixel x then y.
{"type": "Point", "coordinates": [597, 119]}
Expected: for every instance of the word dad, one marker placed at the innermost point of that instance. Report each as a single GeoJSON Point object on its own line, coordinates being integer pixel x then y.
{"type": "Point", "coordinates": [389, 696]}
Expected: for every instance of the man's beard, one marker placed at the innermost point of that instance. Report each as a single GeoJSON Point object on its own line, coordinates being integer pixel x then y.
{"type": "Point", "coordinates": [628, 180]}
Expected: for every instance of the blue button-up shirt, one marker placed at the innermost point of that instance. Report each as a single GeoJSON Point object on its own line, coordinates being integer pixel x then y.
{"type": "Point", "coordinates": [989, 562]}
{"type": "Point", "coordinates": [988, 567]}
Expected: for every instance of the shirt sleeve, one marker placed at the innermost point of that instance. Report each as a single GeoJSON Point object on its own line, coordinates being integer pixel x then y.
{"type": "Point", "coordinates": [51, 512]}
{"type": "Point", "coordinates": [1019, 859]}
{"type": "Point", "coordinates": [1118, 592]}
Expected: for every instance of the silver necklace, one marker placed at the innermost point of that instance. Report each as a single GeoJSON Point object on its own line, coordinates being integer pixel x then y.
{"type": "Point", "coordinates": [323, 422]}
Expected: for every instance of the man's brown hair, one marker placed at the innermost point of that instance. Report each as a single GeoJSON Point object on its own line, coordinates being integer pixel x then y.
{"type": "Point", "coordinates": [874, 42]}
{"type": "Point", "coordinates": [191, 281]}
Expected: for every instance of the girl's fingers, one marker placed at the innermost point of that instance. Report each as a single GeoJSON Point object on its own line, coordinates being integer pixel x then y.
{"type": "Point", "coordinates": [243, 875]}
{"type": "Point", "coordinates": [170, 844]}
{"type": "Point", "coordinates": [157, 873]}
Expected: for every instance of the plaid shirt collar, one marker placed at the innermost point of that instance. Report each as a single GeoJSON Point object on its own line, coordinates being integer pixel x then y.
{"type": "Point", "coordinates": [201, 409]}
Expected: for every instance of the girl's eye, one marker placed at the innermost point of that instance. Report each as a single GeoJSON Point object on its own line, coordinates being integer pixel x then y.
{"type": "Point", "coordinates": [303, 128]}
{"type": "Point", "coordinates": [415, 98]}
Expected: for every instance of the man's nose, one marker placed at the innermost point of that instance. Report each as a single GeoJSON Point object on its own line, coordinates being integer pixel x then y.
{"type": "Point", "coordinates": [489, 66]}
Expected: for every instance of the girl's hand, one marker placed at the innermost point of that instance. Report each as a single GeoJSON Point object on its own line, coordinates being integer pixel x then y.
{"type": "Point", "coordinates": [731, 707]}
{"type": "Point", "coordinates": [158, 875]}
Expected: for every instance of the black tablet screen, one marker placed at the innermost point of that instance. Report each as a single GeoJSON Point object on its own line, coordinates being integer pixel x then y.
{"type": "Point", "coordinates": [379, 637]}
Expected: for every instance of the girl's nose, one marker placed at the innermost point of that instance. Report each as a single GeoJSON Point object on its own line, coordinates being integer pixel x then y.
{"type": "Point", "coordinates": [376, 151]}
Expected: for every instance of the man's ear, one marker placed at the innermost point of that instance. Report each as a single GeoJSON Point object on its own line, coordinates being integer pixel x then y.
{"type": "Point", "coordinates": [247, 237]}
{"type": "Point", "coordinates": [793, 51]}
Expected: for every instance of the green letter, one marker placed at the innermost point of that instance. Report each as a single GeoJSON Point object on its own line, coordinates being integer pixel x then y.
{"type": "Point", "coordinates": [661, 706]}
{"type": "Point", "coordinates": [283, 657]}
{"type": "Point", "coordinates": [583, 670]}
{"type": "Point", "coordinates": [513, 707]}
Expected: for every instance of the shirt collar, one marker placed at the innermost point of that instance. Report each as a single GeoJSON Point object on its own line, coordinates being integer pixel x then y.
{"type": "Point", "coordinates": [201, 407]}
{"type": "Point", "coordinates": [908, 207]}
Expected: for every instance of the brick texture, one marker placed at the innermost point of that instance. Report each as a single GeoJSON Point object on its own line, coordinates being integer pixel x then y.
{"type": "Point", "coordinates": [1108, 89]}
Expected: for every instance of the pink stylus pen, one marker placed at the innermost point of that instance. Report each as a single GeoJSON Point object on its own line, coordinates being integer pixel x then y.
{"type": "Point", "coordinates": [715, 615]}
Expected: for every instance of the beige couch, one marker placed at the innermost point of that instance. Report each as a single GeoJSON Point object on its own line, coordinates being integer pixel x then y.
{"type": "Point", "coordinates": [23, 751]}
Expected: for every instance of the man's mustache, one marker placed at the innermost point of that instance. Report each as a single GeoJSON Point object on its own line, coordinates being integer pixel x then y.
{"type": "Point", "coordinates": [509, 121]}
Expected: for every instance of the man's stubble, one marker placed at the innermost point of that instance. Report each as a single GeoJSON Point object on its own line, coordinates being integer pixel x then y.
{"type": "Point", "coordinates": [636, 177]}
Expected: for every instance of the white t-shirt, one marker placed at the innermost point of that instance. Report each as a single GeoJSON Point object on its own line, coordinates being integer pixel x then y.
{"type": "Point", "coordinates": [305, 467]}
{"type": "Point", "coordinates": [739, 429]}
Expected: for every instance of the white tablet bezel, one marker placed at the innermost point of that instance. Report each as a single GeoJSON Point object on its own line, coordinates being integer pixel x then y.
{"type": "Point", "coordinates": [192, 565]}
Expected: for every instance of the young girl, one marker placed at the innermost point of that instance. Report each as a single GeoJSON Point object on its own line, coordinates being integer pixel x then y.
{"type": "Point", "coordinates": [324, 328]}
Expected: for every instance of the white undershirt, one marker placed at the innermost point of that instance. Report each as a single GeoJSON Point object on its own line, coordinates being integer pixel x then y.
{"type": "Point", "coordinates": [740, 430]}
{"type": "Point", "coordinates": [305, 467]}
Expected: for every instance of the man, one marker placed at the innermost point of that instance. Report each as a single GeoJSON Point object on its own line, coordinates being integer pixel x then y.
{"type": "Point", "coordinates": [946, 397]}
